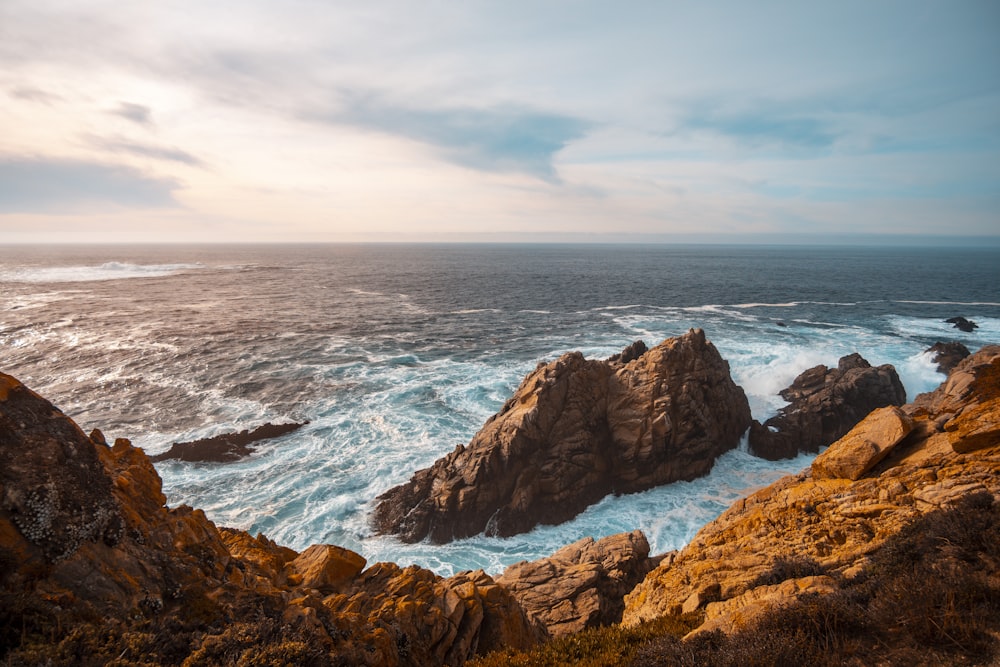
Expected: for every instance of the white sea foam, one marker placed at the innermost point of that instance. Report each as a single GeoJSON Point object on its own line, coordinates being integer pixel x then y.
{"type": "Point", "coordinates": [105, 271]}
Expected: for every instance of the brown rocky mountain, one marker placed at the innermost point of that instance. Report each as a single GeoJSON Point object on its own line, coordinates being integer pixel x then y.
{"type": "Point", "coordinates": [575, 431]}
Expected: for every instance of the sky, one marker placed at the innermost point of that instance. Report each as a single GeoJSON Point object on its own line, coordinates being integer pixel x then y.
{"type": "Point", "coordinates": [325, 120]}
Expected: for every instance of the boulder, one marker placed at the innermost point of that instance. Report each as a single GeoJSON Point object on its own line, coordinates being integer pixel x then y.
{"type": "Point", "coordinates": [226, 447]}
{"type": "Point", "coordinates": [582, 585]}
{"type": "Point", "coordinates": [947, 355]}
{"type": "Point", "coordinates": [325, 567]}
{"type": "Point", "coordinates": [575, 431]}
{"type": "Point", "coordinates": [864, 445]}
{"type": "Point", "coordinates": [825, 403]}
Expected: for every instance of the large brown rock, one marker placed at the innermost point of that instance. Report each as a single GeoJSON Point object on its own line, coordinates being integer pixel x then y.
{"type": "Point", "coordinates": [864, 445]}
{"type": "Point", "coordinates": [582, 585]}
{"type": "Point", "coordinates": [825, 403]}
{"type": "Point", "coordinates": [325, 567]}
{"type": "Point", "coordinates": [575, 431]}
{"type": "Point", "coordinates": [806, 532]}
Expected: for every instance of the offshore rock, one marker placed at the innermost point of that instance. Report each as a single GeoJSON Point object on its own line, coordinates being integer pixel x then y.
{"type": "Point", "coordinates": [582, 585]}
{"type": "Point", "coordinates": [226, 447]}
{"type": "Point", "coordinates": [947, 355]}
{"type": "Point", "coordinates": [825, 403]}
{"type": "Point", "coordinates": [962, 324]}
{"type": "Point", "coordinates": [806, 532]}
{"type": "Point", "coordinates": [575, 431]}
{"type": "Point", "coordinates": [94, 565]}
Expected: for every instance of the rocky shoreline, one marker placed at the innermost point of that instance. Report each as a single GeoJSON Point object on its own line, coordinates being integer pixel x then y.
{"type": "Point", "coordinates": [96, 569]}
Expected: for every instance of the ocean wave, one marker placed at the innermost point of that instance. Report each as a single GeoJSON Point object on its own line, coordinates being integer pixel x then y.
{"type": "Point", "coordinates": [105, 271]}
{"type": "Point", "coordinates": [953, 303]}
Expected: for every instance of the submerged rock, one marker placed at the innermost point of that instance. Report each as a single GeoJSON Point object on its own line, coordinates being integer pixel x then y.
{"type": "Point", "coordinates": [226, 447]}
{"type": "Point", "coordinates": [575, 431]}
{"type": "Point", "coordinates": [825, 403]}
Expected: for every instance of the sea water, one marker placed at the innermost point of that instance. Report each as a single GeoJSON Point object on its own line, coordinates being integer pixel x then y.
{"type": "Point", "coordinates": [397, 353]}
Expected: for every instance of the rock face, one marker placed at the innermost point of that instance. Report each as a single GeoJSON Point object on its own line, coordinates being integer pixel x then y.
{"type": "Point", "coordinates": [825, 403]}
{"type": "Point", "coordinates": [226, 447]}
{"type": "Point", "coordinates": [807, 531]}
{"type": "Point", "coordinates": [864, 445]}
{"type": "Point", "coordinates": [575, 431]}
{"type": "Point", "coordinates": [947, 355]}
{"type": "Point", "coordinates": [94, 565]}
{"type": "Point", "coordinates": [582, 585]}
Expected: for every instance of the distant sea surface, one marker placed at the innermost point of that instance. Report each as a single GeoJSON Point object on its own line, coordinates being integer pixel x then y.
{"type": "Point", "coordinates": [396, 353]}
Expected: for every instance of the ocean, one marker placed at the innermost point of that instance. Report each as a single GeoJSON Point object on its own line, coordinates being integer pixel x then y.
{"type": "Point", "coordinates": [396, 353]}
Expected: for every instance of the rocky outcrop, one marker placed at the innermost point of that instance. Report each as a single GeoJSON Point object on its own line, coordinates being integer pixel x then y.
{"type": "Point", "coordinates": [947, 355]}
{"type": "Point", "coordinates": [582, 585]}
{"type": "Point", "coordinates": [93, 564]}
{"type": "Point", "coordinates": [574, 431]}
{"type": "Point", "coordinates": [226, 447]}
{"type": "Point", "coordinates": [808, 531]}
{"type": "Point", "coordinates": [825, 403]}
{"type": "Point", "coordinates": [962, 324]}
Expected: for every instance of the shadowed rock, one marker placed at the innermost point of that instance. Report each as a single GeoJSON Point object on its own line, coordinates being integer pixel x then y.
{"type": "Point", "coordinates": [575, 431]}
{"type": "Point", "coordinates": [825, 403]}
{"type": "Point", "coordinates": [947, 355]}
{"type": "Point", "coordinates": [226, 447]}
{"type": "Point", "coordinates": [962, 324]}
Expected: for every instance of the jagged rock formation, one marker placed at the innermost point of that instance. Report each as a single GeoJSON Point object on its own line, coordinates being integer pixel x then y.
{"type": "Point", "coordinates": [825, 403]}
{"type": "Point", "coordinates": [947, 355]}
{"type": "Point", "coordinates": [575, 431]}
{"type": "Point", "coordinates": [806, 532]}
{"type": "Point", "coordinates": [582, 585]}
{"type": "Point", "coordinates": [225, 447]}
{"type": "Point", "coordinates": [94, 568]}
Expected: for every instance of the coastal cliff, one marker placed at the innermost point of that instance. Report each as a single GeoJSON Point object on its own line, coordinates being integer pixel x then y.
{"type": "Point", "coordinates": [95, 569]}
{"type": "Point", "coordinates": [575, 431]}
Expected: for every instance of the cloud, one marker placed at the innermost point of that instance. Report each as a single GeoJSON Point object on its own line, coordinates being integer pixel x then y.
{"type": "Point", "coordinates": [32, 94]}
{"type": "Point", "coordinates": [499, 139]}
{"type": "Point", "coordinates": [137, 113]}
{"type": "Point", "coordinates": [764, 129]}
{"type": "Point", "coordinates": [35, 185]}
{"type": "Point", "coordinates": [146, 150]}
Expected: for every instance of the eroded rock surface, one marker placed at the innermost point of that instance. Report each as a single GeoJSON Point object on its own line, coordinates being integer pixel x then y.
{"type": "Point", "coordinates": [825, 403]}
{"type": "Point", "coordinates": [793, 536]}
{"type": "Point", "coordinates": [575, 431]}
{"type": "Point", "coordinates": [582, 585]}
